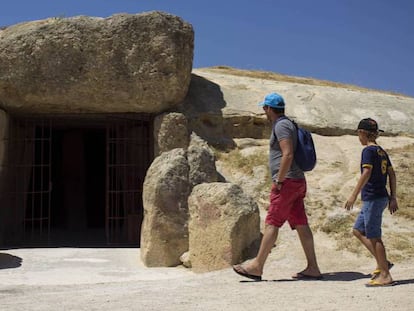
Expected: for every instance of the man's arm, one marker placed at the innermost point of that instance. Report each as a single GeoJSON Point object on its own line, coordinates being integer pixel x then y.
{"type": "Point", "coordinates": [286, 146]}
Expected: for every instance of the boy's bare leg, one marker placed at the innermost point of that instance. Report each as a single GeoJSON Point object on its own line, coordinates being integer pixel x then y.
{"type": "Point", "coordinates": [382, 262]}
{"type": "Point", "coordinates": [371, 244]}
{"type": "Point", "coordinates": [256, 265]}
{"type": "Point", "coordinates": [306, 239]}
{"type": "Point", "coordinates": [366, 242]}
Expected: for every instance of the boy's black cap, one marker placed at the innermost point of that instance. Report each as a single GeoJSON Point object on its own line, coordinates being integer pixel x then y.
{"type": "Point", "coordinates": [369, 125]}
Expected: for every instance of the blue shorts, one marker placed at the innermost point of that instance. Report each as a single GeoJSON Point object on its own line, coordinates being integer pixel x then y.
{"type": "Point", "coordinates": [370, 218]}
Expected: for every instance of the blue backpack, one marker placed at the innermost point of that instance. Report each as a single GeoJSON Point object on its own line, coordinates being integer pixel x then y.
{"type": "Point", "coordinates": [305, 153]}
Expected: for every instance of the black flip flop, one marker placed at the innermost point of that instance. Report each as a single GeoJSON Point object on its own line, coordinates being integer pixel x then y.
{"type": "Point", "coordinates": [244, 273]}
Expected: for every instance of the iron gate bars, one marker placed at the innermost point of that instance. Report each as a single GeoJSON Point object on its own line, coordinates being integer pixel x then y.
{"type": "Point", "coordinates": [30, 157]}
{"type": "Point", "coordinates": [128, 157]}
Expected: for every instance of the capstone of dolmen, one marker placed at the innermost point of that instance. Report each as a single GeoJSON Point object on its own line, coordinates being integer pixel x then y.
{"type": "Point", "coordinates": [123, 63]}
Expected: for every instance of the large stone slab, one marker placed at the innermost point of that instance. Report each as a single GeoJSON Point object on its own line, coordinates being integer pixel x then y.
{"type": "Point", "coordinates": [224, 226]}
{"type": "Point", "coordinates": [123, 63]}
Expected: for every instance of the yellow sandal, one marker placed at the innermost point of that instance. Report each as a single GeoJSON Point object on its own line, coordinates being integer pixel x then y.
{"type": "Point", "coordinates": [376, 272]}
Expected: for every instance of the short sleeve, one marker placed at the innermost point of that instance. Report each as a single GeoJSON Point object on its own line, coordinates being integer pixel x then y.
{"type": "Point", "coordinates": [283, 130]}
{"type": "Point", "coordinates": [367, 160]}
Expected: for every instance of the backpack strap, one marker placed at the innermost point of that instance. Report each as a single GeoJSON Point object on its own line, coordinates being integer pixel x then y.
{"type": "Point", "coordinates": [284, 118]}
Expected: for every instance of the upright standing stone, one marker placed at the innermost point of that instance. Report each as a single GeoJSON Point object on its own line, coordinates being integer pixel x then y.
{"type": "Point", "coordinates": [164, 233]}
{"type": "Point", "coordinates": [224, 226]}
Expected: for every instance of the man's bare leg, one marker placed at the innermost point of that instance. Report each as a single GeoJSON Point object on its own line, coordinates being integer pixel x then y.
{"type": "Point", "coordinates": [306, 239]}
{"type": "Point", "coordinates": [255, 266]}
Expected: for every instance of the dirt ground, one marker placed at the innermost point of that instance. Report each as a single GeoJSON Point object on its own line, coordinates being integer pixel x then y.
{"type": "Point", "coordinates": [122, 283]}
{"type": "Point", "coordinates": [116, 279]}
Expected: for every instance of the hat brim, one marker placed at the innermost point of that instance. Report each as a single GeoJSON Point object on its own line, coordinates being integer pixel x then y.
{"type": "Point", "coordinates": [381, 131]}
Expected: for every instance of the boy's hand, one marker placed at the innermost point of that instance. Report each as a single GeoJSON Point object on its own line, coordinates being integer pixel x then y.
{"type": "Point", "coordinates": [350, 203]}
{"type": "Point", "coordinates": [393, 205]}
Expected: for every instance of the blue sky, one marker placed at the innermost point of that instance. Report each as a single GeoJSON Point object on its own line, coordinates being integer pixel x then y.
{"type": "Point", "coordinates": [369, 43]}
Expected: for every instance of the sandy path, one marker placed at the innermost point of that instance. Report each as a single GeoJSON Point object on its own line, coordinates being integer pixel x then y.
{"type": "Point", "coordinates": [123, 283]}
{"type": "Point", "coordinates": [115, 279]}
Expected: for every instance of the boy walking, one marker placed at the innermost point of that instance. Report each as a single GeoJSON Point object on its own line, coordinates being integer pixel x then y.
{"type": "Point", "coordinates": [375, 168]}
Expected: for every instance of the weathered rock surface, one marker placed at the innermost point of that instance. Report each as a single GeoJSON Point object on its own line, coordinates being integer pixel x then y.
{"type": "Point", "coordinates": [123, 63]}
{"type": "Point", "coordinates": [221, 106]}
{"type": "Point", "coordinates": [170, 132]}
{"type": "Point", "coordinates": [164, 233]}
{"type": "Point", "coordinates": [167, 185]}
{"type": "Point", "coordinates": [224, 226]}
{"type": "Point", "coordinates": [201, 161]}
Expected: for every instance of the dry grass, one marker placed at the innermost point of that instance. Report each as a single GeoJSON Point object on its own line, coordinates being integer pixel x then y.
{"type": "Point", "coordinates": [403, 162]}
{"type": "Point", "coordinates": [285, 78]}
{"type": "Point", "coordinates": [399, 244]}
{"type": "Point", "coordinates": [238, 161]}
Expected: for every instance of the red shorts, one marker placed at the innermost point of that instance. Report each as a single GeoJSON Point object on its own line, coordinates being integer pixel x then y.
{"type": "Point", "coordinates": [287, 204]}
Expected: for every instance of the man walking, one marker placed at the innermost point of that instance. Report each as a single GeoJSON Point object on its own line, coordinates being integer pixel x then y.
{"type": "Point", "coordinates": [286, 197]}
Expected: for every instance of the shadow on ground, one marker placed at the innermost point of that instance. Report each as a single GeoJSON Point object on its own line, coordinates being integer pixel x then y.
{"type": "Point", "coordinates": [345, 276]}
{"type": "Point", "coordinates": [331, 276]}
{"type": "Point", "coordinates": [8, 261]}
{"type": "Point", "coordinates": [404, 282]}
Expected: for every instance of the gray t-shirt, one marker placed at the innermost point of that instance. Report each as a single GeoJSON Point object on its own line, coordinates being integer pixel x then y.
{"type": "Point", "coordinates": [283, 129]}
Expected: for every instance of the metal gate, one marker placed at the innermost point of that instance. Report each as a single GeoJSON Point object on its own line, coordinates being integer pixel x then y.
{"type": "Point", "coordinates": [30, 158]}
{"type": "Point", "coordinates": [128, 157]}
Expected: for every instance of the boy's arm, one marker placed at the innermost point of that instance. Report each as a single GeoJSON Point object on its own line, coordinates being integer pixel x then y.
{"type": "Point", "coordinates": [363, 179]}
{"type": "Point", "coordinates": [393, 205]}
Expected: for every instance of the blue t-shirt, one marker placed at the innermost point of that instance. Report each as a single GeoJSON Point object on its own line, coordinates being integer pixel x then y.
{"type": "Point", "coordinates": [376, 158]}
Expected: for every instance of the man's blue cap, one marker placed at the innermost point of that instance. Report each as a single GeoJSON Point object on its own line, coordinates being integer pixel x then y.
{"type": "Point", "coordinates": [273, 100]}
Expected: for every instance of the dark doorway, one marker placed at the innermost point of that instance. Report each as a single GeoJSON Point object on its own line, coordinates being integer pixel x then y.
{"type": "Point", "coordinates": [78, 186]}
{"type": "Point", "coordinates": [77, 181]}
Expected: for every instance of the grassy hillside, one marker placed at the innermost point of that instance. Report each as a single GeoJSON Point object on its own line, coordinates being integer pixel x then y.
{"type": "Point", "coordinates": [324, 202]}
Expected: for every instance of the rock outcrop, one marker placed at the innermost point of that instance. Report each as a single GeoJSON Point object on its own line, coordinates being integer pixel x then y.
{"type": "Point", "coordinates": [123, 63]}
{"type": "Point", "coordinates": [164, 233]}
{"type": "Point", "coordinates": [224, 226]}
{"type": "Point", "coordinates": [232, 216]}
{"type": "Point", "coordinates": [201, 162]}
{"type": "Point", "coordinates": [170, 132]}
{"type": "Point", "coordinates": [168, 183]}
{"type": "Point", "coordinates": [222, 104]}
